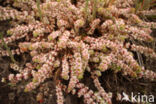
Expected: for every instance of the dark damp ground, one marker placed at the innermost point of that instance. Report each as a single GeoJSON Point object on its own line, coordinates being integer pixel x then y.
{"type": "Point", "coordinates": [112, 82]}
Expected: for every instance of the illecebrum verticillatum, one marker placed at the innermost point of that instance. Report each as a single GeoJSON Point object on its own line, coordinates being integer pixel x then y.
{"type": "Point", "coordinates": [65, 39]}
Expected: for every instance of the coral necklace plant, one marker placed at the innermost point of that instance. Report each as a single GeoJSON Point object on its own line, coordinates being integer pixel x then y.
{"type": "Point", "coordinates": [66, 39]}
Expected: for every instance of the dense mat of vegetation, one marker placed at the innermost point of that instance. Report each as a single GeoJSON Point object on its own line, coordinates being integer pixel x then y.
{"type": "Point", "coordinates": [60, 42]}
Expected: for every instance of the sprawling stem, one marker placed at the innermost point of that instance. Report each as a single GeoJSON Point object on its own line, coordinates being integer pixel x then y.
{"type": "Point", "coordinates": [7, 48]}
{"type": "Point", "coordinates": [86, 8]}
{"type": "Point", "coordinates": [94, 8]}
{"type": "Point", "coordinates": [39, 9]}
